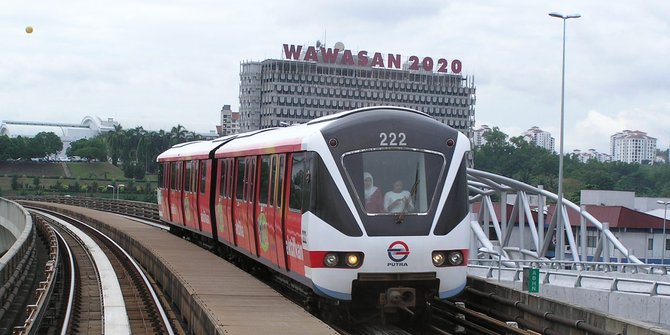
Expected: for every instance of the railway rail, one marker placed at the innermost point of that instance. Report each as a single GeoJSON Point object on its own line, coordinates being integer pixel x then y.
{"type": "Point", "coordinates": [443, 317]}
{"type": "Point", "coordinates": [108, 292]}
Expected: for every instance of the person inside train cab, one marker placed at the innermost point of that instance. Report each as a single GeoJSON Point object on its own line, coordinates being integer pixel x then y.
{"type": "Point", "coordinates": [373, 195]}
{"type": "Point", "coordinates": [398, 200]}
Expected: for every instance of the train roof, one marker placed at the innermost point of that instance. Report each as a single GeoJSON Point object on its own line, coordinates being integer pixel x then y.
{"type": "Point", "coordinates": [264, 141]}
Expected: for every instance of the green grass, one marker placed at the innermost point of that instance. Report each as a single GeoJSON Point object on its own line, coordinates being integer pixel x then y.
{"type": "Point", "coordinates": [36, 169]}
{"type": "Point", "coordinates": [90, 178]}
{"type": "Point", "coordinates": [95, 170]}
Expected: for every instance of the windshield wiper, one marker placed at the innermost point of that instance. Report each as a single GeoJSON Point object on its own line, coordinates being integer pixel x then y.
{"type": "Point", "coordinates": [400, 217]}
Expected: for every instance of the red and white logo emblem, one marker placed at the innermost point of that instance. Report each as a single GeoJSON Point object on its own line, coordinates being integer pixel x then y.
{"type": "Point", "coordinates": [398, 251]}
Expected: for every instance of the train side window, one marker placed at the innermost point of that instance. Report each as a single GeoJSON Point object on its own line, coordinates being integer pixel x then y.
{"type": "Point", "coordinates": [241, 164]}
{"type": "Point", "coordinates": [161, 175]}
{"type": "Point", "coordinates": [187, 176]}
{"type": "Point", "coordinates": [280, 184]}
{"type": "Point", "coordinates": [223, 181]}
{"type": "Point", "coordinates": [265, 180]}
{"type": "Point", "coordinates": [173, 175]}
{"type": "Point", "coordinates": [179, 181]}
{"type": "Point", "coordinates": [272, 180]}
{"type": "Point", "coordinates": [297, 182]}
{"type": "Point", "coordinates": [194, 175]}
{"type": "Point", "coordinates": [203, 176]}
{"type": "Point", "coordinates": [230, 175]}
{"type": "Point", "coordinates": [251, 178]}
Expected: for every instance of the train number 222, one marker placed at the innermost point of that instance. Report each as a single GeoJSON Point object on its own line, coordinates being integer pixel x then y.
{"type": "Point", "coordinates": [392, 139]}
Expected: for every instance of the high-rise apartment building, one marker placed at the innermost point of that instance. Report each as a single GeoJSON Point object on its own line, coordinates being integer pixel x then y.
{"type": "Point", "coordinates": [585, 156]}
{"type": "Point", "coordinates": [478, 135]}
{"type": "Point", "coordinates": [539, 137]}
{"type": "Point", "coordinates": [633, 147]}
{"type": "Point", "coordinates": [229, 122]}
{"type": "Point", "coordinates": [316, 81]}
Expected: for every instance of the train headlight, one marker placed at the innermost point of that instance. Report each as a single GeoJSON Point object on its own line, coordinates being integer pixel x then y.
{"type": "Point", "coordinates": [455, 257]}
{"type": "Point", "coordinates": [331, 259]}
{"type": "Point", "coordinates": [353, 260]}
{"type": "Point", "coordinates": [438, 258]}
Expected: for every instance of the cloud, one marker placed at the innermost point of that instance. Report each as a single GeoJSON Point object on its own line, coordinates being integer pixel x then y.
{"type": "Point", "coordinates": [596, 128]}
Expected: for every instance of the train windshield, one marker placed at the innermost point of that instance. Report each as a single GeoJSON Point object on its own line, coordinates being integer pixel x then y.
{"type": "Point", "coordinates": [390, 182]}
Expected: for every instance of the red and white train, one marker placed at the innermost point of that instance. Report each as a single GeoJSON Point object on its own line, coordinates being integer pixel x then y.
{"type": "Point", "coordinates": [365, 206]}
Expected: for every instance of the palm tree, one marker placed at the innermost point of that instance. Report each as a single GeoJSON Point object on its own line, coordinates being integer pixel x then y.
{"type": "Point", "coordinates": [178, 134]}
{"type": "Point", "coordinates": [115, 140]}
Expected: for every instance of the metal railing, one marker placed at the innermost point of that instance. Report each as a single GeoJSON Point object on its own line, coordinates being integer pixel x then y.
{"type": "Point", "coordinates": [492, 269]}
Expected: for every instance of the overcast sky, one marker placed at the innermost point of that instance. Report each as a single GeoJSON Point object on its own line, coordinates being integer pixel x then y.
{"type": "Point", "coordinates": [160, 63]}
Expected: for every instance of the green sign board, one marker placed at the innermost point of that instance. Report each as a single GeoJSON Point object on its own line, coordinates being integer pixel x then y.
{"type": "Point", "coordinates": [534, 281]}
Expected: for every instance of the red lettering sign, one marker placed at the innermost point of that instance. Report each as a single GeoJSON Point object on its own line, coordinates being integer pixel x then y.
{"type": "Point", "coordinates": [393, 61]}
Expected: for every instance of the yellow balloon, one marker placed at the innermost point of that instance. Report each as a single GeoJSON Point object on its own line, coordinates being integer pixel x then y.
{"type": "Point", "coordinates": [29, 29]}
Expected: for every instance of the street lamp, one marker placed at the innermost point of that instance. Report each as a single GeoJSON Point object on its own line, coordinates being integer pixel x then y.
{"type": "Point", "coordinates": [559, 202]}
{"type": "Point", "coordinates": [665, 212]}
{"type": "Point", "coordinates": [115, 189]}
{"type": "Point", "coordinates": [118, 188]}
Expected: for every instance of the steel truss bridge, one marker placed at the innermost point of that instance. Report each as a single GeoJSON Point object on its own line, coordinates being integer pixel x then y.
{"type": "Point", "coordinates": [485, 186]}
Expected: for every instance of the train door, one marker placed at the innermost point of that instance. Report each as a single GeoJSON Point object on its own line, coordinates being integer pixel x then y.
{"type": "Point", "coordinates": [297, 191]}
{"type": "Point", "coordinates": [176, 211]}
{"type": "Point", "coordinates": [265, 210]}
{"type": "Point", "coordinates": [223, 206]}
{"type": "Point", "coordinates": [243, 213]}
{"type": "Point", "coordinates": [277, 194]}
{"type": "Point", "coordinates": [164, 191]}
{"type": "Point", "coordinates": [204, 195]}
{"type": "Point", "coordinates": [190, 195]}
{"type": "Point", "coordinates": [250, 198]}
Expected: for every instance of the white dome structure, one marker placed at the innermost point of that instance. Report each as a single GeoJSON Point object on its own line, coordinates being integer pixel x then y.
{"type": "Point", "coordinates": [90, 127]}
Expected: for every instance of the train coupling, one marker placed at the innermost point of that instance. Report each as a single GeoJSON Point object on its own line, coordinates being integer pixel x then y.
{"type": "Point", "coordinates": [401, 297]}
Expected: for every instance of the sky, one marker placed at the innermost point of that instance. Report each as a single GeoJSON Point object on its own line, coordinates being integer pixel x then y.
{"type": "Point", "coordinates": [157, 64]}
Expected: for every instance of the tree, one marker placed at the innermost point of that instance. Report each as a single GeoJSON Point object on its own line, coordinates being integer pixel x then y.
{"type": "Point", "coordinates": [6, 148]}
{"type": "Point", "coordinates": [178, 134]}
{"type": "Point", "coordinates": [48, 144]}
{"type": "Point", "coordinates": [115, 140]}
{"type": "Point", "coordinates": [93, 149]}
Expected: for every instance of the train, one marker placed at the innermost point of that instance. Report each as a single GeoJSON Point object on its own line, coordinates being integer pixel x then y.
{"type": "Point", "coordinates": [367, 207]}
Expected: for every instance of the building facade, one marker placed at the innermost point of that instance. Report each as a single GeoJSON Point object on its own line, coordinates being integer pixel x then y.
{"type": "Point", "coordinates": [478, 135]}
{"type": "Point", "coordinates": [229, 122]}
{"type": "Point", "coordinates": [633, 147]}
{"type": "Point", "coordinates": [539, 137]}
{"type": "Point", "coordinates": [282, 92]}
{"type": "Point", "coordinates": [585, 156]}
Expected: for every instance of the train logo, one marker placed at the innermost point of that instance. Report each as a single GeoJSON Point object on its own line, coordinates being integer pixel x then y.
{"type": "Point", "coordinates": [263, 232]}
{"type": "Point", "coordinates": [398, 251]}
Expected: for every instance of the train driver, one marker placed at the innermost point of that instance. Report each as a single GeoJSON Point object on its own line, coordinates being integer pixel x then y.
{"type": "Point", "coordinates": [373, 195]}
{"type": "Point", "coordinates": [398, 200]}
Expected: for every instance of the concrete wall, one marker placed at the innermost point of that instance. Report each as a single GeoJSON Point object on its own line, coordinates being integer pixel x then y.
{"type": "Point", "coordinates": [13, 222]}
{"type": "Point", "coordinates": [619, 310]}
{"type": "Point", "coordinates": [17, 226]}
{"type": "Point", "coordinates": [587, 305]}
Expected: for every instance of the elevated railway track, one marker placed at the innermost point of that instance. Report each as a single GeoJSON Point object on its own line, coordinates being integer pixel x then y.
{"type": "Point", "coordinates": [445, 318]}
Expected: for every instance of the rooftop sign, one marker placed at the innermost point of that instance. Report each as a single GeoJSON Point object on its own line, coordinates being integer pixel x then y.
{"type": "Point", "coordinates": [364, 58]}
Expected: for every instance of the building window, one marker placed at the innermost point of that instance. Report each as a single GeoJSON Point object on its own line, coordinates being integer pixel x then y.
{"type": "Point", "coordinates": [591, 241]}
{"type": "Point", "coordinates": [650, 244]}
{"type": "Point", "coordinates": [667, 244]}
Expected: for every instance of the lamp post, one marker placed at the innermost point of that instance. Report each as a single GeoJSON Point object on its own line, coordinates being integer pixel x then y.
{"type": "Point", "coordinates": [665, 212]}
{"type": "Point", "coordinates": [115, 189]}
{"type": "Point", "coordinates": [559, 202]}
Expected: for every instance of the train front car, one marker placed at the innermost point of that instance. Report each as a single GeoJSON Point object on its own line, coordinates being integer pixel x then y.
{"type": "Point", "coordinates": [388, 220]}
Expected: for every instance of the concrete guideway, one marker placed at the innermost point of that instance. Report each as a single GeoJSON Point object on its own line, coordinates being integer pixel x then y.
{"type": "Point", "coordinates": [113, 306]}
